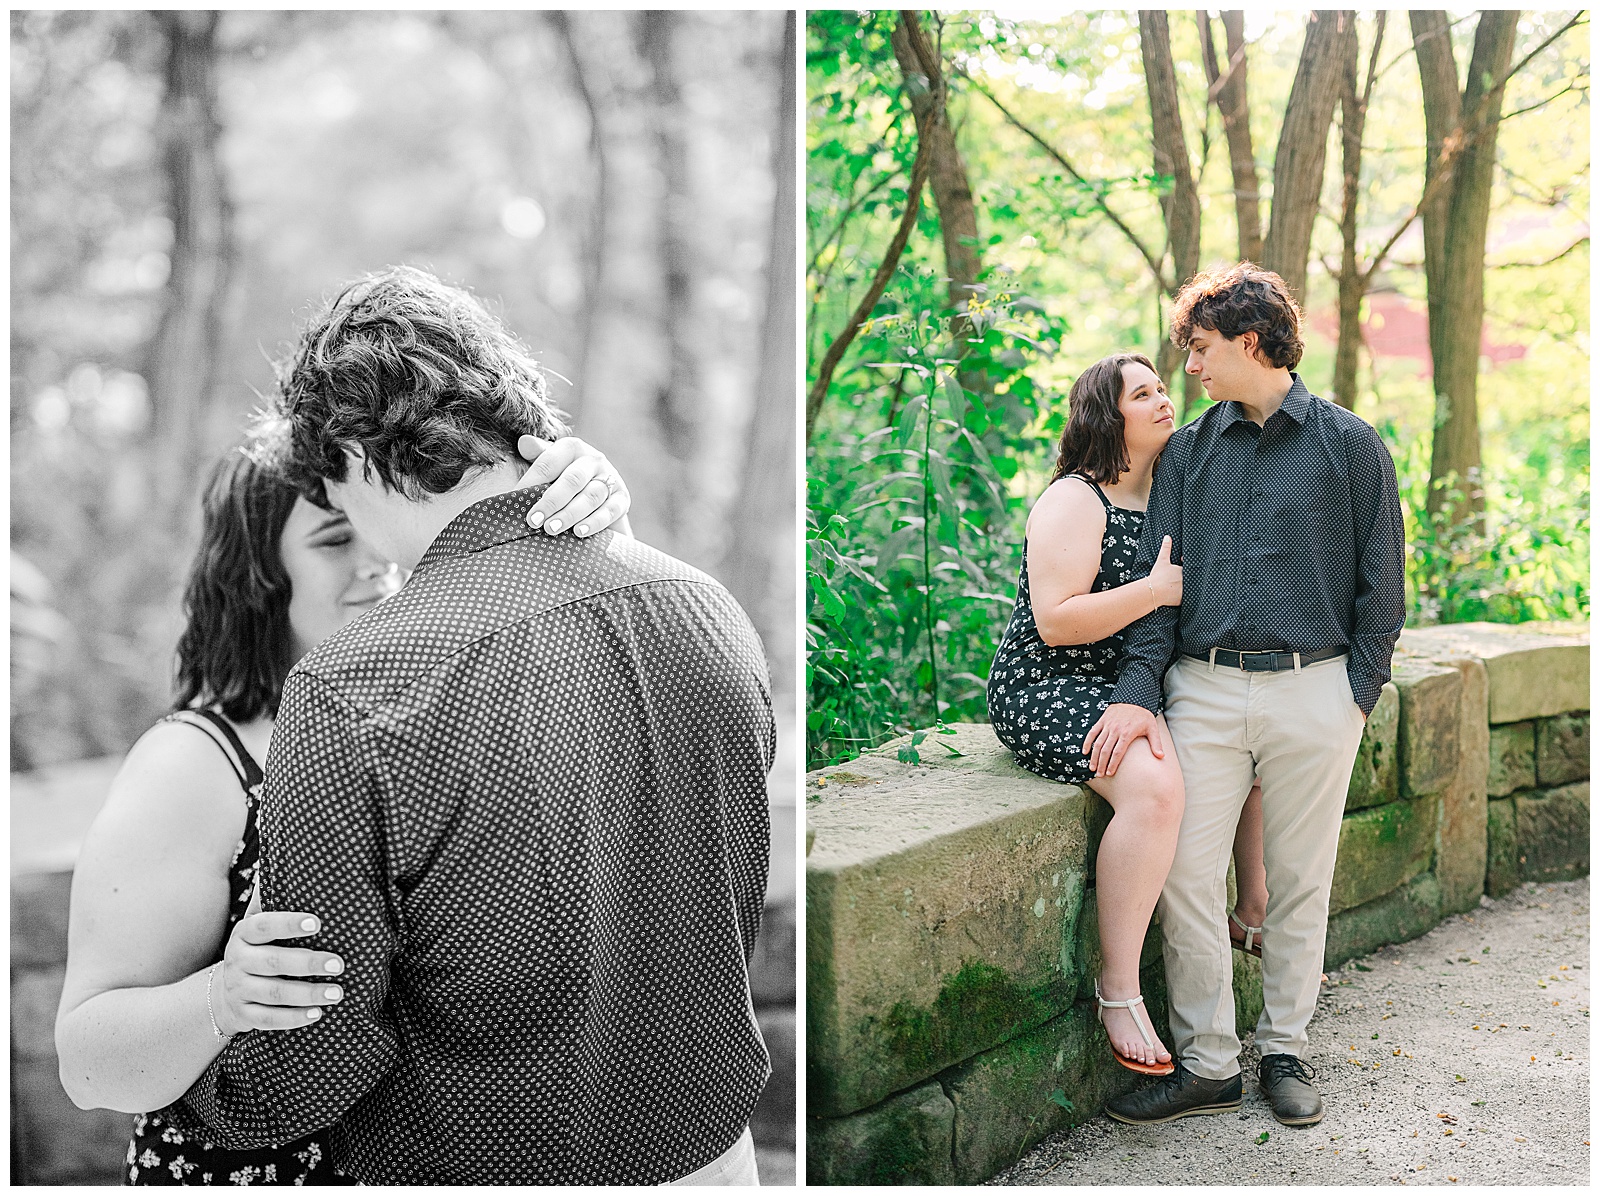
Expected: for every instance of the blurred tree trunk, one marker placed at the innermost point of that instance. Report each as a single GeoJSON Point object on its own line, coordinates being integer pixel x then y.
{"type": "Point", "coordinates": [1297, 170]}
{"type": "Point", "coordinates": [759, 566]}
{"type": "Point", "coordinates": [679, 396]}
{"type": "Point", "coordinates": [1231, 92]}
{"type": "Point", "coordinates": [947, 173]}
{"type": "Point", "coordinates": [1455, 253]}
{"type": "Point", "coordinates": [1181, 206]}
{"type": "Point", "coordinates": [1353, 102]}
{"type": "Point", "coordinates": [182, 364]}
{"type": "Point", "coordinates": [594, 247]}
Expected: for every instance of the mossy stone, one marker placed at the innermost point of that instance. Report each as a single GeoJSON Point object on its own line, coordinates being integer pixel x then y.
{"type": "Point", "coordinates": [903, 1140]}
{"type": "Point", "coordinates": [1381, 848]}
{"type": "Point", "coordinates": [1561, 748]}
{"type": "Point", "coordinates": [1375, 777]}
{"type": "Point", "coordinates": [1396, 916]}
{"type": "Point", "coordinates": [1511, 756]}
{"type": "Point", "coordinates": [1553, 832]}
{"type": "Point", "coordinates": [1503, 872]}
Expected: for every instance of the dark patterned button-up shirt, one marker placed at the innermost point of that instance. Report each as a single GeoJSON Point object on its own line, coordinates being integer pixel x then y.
{"type": "Point", "coordinates": [1290, 536]}
{"type": "Point", "coordinates": [527, 798]}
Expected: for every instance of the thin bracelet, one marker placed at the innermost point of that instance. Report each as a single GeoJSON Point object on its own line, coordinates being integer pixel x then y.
{"type": "Point", "coordinates": [211, 973]}
{"type": "Point", "coordinates": [1152, 586]}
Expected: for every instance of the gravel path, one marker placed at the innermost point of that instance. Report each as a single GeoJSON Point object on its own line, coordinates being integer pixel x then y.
{"type": "Point", "coordinates": [1459, 1057]}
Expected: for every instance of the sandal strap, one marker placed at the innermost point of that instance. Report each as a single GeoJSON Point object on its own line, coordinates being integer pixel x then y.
{"type": "Point", "coordinates": [1128, 1004]}
{"type": "Point", "coordinates": [1250, 932]}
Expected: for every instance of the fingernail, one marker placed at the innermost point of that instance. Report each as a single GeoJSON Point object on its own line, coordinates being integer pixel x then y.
{"type": "Point", "coordinates": [335, 966]}
{"type": "Point", "coordinates": [309, 924]}
{"type": "Point", "coordinates": [536, 519]}
{"type": "Point", "coordinates": [333, 993]}
{"type": "Point", "coordinates": [554, 526]}
{"type": "Point", "coordinates": [583, 529]}
{"type": "Point", "coordinates": [313, 1014]}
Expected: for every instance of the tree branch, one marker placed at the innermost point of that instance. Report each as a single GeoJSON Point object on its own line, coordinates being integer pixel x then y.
{"type": "Point", "coordinates": [1133, 238]}
{"type": "Point", "coordinates": [1550, 261]}
{"type": "Point", "coordinates": [1456, 141]}
{"type": "Point", "coordinates": [1546, 100]}
{"type": "Point", "coordinates": [880, 280]}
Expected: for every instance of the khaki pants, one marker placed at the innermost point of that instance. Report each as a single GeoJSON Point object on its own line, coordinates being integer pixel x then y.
{"type": "Point", "coordinates": [734, 1168]}
{"type": "Point", "coordinates": [1297, 732]}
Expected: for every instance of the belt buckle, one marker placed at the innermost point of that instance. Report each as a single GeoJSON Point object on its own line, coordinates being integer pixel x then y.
{"type": "Point", "coordinates": [1269, 666]}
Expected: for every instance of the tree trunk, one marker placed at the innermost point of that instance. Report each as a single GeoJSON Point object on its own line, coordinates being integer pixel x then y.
{"type": "Point", "coordinates": [679, 396]}
{"type": "Point", "coordinates": [1441, 112]}
{"type": "Point", "coordinates": [1233, 102]}
{"type": "Point", "coordinates": [1303, 146]}
{"type": "Point", "coordinates": [947, 173]}
{"type": "Point", "coordinates": [760, 564]}
{"type": "Point", "coordinates": [182, 359]}
{"type": "Point", "coordinates": [1352, 279]}
{"type": "Point", "coordinates": [1181, 206]}
{"type": "Point", "coordinates": [1457, 452]}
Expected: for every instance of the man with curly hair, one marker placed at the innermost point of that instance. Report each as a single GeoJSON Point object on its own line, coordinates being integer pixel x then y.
{"type": "Point", "coordinates": [525, 799]}
{"type": "Point", "coordinates": [1284, 512]}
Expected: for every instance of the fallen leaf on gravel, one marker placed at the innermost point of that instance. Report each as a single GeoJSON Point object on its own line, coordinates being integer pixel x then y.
{"type": "Point", "coordinates": [1519, 1139]}
{"type": "Point", "coordinates": [1461, 1079]}
{"type": "Point", "coordinates": [1451, 1178]}
{"type": "Point", "coordinates": [1447, 1118]}
{"type": "Point", "coordinates": [1261, 1137]}
{"type": "Point", "coordinates": [1533, 1058]}
{"type": "Point", "coordinates": [1396, 1050]}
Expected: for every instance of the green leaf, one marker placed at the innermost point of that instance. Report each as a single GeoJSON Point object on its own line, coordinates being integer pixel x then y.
{"type": "Point", "coordinates": [1060, 1098]}
{"type": "Point", "coordinates": [1262, 1137]}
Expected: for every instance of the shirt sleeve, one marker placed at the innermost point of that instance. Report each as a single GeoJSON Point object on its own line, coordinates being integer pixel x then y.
{"type": "Point", "coordinates": [321, 829]}
{"type": "Point", "coordinates": [1149, 643]}
{"type": "Point", "coordinates": [1380, 601]}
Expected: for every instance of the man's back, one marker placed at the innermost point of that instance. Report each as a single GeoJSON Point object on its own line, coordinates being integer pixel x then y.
{"type": "Point", "coordinates": [527, 797]}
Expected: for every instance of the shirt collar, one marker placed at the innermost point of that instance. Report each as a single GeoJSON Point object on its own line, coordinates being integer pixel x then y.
{"type": "Point", "coordinates": [1296, 405]}
{"type": "Point", "coordinates": [498, 519]}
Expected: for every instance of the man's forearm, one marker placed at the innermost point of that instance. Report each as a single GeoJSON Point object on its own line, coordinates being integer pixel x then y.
{"type": "Point", "coordinates": [1147, 652]}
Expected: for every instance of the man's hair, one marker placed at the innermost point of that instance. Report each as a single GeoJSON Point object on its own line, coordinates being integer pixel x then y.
{"type": "Point", "coordinates": [1243, 298]}
{"type": "Point", "coordinates": [236, 647]}
{"type": "Point", "coordinates": [1092, 443]}
{"type": "Point", "coordinates": [413, 373]}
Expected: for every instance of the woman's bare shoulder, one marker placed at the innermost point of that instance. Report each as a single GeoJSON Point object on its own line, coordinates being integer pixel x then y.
{"type": "Point", "coordinates": [1069, 502]}
{"type": "Point", "coordinates": [177, 778]}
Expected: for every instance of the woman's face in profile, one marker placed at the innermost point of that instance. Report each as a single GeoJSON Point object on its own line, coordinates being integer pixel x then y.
{"type": "Point", "coordinates": [1148, 416]}
{"type": "Point", "coordinates": [334, 576]}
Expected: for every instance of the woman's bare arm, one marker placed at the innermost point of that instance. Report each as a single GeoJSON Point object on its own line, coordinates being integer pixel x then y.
{"type": "Point", "coordinates": [149, 907]}
{"type": "Point", "coordinates": [1064, 533]}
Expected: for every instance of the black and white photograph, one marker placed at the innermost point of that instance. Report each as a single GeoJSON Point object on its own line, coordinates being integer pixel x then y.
{"type": "Point", "coordinates": [404, 708]}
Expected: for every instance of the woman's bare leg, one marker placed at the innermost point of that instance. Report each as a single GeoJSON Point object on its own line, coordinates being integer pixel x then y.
{"type": "Point", "coordinates": [1146, 797]}
{"type": "Point", "coordinates": [1249, 866]}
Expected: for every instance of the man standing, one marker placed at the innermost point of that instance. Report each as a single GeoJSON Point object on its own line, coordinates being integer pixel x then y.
{"type": "Point", "coordinates": [525, 798]}
{"type": "Point", "coordinates": [1284, 511]}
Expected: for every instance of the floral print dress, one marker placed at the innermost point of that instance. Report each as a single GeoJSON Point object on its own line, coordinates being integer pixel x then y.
{"type": "Point", "coordinates": [170, 1146]}
{"type": "Point", "coordinates": [1042, 699]}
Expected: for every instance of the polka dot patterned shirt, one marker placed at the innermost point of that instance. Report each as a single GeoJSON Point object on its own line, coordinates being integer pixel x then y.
{"type": "Point", "coordinates": [527, 798]}
{"type": "Point", "coordinates": [1290, 537]}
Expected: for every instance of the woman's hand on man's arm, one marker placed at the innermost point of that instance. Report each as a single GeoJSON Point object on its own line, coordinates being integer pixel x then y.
{"type": "Point", "coordinates": [586, 492]}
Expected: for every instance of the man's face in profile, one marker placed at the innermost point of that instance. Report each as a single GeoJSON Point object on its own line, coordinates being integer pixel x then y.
{"type": "Point", "coordinates": [379, 515]}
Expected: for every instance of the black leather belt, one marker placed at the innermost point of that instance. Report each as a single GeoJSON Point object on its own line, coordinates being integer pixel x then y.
{"type": "Point", "coordinates": [1264, 662]}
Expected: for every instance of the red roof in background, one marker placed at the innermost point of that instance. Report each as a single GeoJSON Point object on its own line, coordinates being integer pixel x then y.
{"type": "Point", "coordinates": [1396, 326]}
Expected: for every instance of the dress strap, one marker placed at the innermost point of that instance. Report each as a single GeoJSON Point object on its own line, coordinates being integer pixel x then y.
{"type": "Point", "coordinates": [1096, 486]}
{"type": "Point", "coordinates": [226, 738]}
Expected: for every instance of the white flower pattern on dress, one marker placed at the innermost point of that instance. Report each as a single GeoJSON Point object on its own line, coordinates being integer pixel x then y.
{"type": "Point", "coordinates": [1042, 699]}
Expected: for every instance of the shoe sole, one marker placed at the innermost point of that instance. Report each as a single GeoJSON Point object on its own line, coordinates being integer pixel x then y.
{"type": "Point", "coordinates": [1300, 1120]}
{"type": "Point", "coordinates": [1234, 1107]}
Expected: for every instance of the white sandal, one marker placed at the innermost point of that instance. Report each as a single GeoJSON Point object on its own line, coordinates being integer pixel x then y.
{"type": "Point", "coordinates": [1252, 937]}
{"type": "Point", "coordinates": [1145, 1069]}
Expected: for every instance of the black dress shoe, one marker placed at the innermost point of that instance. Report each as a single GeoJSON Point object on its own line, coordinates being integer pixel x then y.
{"type": "Point", "coordinates": [1285, 1084]}
{"type": "Point", "coordinates": [1182, 1094]}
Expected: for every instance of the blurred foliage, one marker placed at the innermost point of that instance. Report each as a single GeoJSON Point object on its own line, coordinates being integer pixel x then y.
{"type": "Point", "coordinates": [1068, 289]}
{"type": "Point", "coordinates": [603, 180]}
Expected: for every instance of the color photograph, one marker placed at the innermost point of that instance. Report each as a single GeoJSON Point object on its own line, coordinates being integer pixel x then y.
{"type": "Point", "coordinates": [1197, 597]}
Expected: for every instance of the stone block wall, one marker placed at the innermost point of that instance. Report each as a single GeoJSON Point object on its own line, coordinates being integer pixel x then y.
{"type": "Point", "coordinates": [951, 938]}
